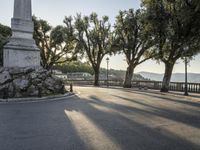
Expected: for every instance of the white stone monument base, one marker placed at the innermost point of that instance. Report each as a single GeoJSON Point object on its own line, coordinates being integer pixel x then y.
{"type": "Point", "coordinates": [14, 57]}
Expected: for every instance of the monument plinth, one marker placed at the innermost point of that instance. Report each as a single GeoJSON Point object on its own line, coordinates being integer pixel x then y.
{"type": "Point", "coordinates": [22, 75]}
{"type": "Point", "coordinates": [21, 50]}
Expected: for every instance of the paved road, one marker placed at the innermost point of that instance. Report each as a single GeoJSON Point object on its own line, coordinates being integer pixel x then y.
{"type": "Point", "coordinates": [103, 119]}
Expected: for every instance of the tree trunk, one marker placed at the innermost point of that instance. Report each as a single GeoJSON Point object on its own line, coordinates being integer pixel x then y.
{"type": "Point", "coordinates": [129, 76]}
{"type": "Point", "coordinates": [47, 66]}
{"type": "Point", "coordinates": [96, 76]}
{"type": "Point", "coordinates": [167, 77]}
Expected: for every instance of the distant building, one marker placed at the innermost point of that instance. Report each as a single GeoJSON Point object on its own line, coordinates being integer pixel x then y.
{"type": "Point", "coordinates": [57, 72]}
{"type": "Point", "coordinates": [79, 76]}
{"type": "Point", "coordinates": [73, 76]}
{"type": "Point", "coordinates": [62, 76]}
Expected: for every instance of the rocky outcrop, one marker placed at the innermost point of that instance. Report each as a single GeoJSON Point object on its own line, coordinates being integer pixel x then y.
{"type": "Point", "coordinates": [29, 82]}
{"type": "Point", "coordinates": [5, 77]}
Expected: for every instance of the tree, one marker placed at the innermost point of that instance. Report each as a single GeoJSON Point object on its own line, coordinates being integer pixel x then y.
{"type": "Point", "coordinates": [5, 33]}
{"type": "Point", "coordinates": [94, 38]}
{"type": "Point", "coordinates": [175, 26]}
{"type": "Point", "coordinates": [133, 40]}
{"type": "Point", "coordinates": [77, 66]}
{"type": "Point", "coordinates": [57, 44]}
{"type": "Point", "coordinates": [193, 4]}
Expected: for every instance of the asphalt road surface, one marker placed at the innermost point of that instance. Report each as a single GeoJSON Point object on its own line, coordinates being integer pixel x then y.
{"type": "Point", "coordinates": [103, 119]}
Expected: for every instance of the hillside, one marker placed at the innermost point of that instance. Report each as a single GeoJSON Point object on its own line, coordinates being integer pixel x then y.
{"type": "Point", "coordinates": [120, 74]}
{"type": "Point", "coordinates": [176, 77]}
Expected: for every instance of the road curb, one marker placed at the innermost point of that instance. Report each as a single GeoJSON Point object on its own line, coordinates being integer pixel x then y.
{"type": "Point", "coordinates": [36, 99]}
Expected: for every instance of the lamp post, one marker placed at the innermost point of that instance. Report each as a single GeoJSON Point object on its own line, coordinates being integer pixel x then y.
{"type": "Point", "coordinates": [186, 79]}
{"type": "Point", "coordinates": [107, 60]}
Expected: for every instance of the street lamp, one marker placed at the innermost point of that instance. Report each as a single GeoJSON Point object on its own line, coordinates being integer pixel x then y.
{"type": "Point", "coordinates": [186, 79]}
{"type": "Point", "coordinates": [107, 60]}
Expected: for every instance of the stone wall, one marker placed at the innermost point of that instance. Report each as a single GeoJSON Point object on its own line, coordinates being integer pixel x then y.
{"type": "Point", "coordinates": [29, 82]}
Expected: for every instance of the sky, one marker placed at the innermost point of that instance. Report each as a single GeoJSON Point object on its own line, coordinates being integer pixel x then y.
{"type": "Point", "coordinates": [54, 12]}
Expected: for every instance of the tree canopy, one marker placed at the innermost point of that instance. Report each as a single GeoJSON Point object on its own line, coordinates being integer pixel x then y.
{"type": "Point", "coordinates": [5, 33]}
{"type": "Point", "coordinates": [57, 44]}
{"type": "Point", "coordinates": [94, 38]}
{"type": "Point", "coordinates": [175, 27]}
{"type": "Point", "coordinates": [77, 66]}
{"type": "Point", "coordinates": [133, 40]}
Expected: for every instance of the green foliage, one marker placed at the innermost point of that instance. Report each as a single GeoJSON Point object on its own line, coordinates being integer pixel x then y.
{"type": "Point", "coordinates": [5, 33]}
{"type": "Point", "coordinates": [57, 44]}
{"type": "Point", "coordinates": [77, 66]}
{"type": "Point", "coordinates": [131, 37]}
{"type": "Point", "coordinates": [175, 25]}
{"type": "Point", "coordinates": [93, 38]}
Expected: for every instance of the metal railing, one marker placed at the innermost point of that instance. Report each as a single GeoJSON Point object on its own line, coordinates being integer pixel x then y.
{"type": "Point", "coordinates": [174, 86]}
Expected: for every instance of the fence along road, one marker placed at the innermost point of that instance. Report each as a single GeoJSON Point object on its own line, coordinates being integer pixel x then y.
{"type": "Point", "coordinates": [174, 86]}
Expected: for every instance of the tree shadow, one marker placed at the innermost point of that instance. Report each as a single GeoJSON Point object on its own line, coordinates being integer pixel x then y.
{"type": "Point", "coordinates": [190, 118]}
{"type": "Point", "coordinates": [51, 128]}
{"type": "Point", "coordinates": [174, 93]}
{"type": "Point", "coordinates": [163, 97]}
{"type": "Point", "coordinates": [35, 126]}
{"type": "Point", "coordinates": [176, 96]}
{"type": "Point", "coordinates": [127, 133]}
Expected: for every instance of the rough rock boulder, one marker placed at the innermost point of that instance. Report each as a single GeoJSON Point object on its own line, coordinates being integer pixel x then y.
{"type": "Point", "coordinates": [29, 82]}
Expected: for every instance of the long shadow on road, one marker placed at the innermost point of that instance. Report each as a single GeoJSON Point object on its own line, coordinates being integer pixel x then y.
{"type": "Point", "coordinates": [177, 98]}
{"type": "Point", "coordinates": [37, 126]}
{"type": "Point", "coordinates": [191, 118]}
{"type": "Point", "coordinates": [86, 123]}
{"type": "Point", "coordinates": [123, 130]}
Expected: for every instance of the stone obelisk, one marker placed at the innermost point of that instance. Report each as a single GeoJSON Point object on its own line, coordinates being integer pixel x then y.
{"type": "Point", "coordinates": [21, 50]}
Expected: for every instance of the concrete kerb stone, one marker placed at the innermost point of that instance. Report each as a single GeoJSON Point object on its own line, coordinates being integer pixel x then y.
{"type": "Point", "coordinates": [37, 99]}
